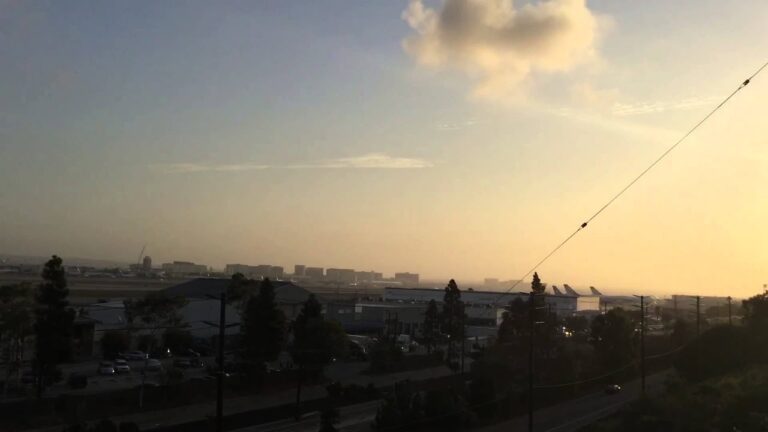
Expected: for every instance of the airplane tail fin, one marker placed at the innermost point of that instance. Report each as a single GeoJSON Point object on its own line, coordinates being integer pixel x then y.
{"type": "Point", "coordinates": [570, 291]}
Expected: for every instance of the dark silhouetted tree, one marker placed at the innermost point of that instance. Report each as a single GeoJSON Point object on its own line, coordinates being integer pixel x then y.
{"type": "Point", "coordinates": [612, 336]}
{"type": "Point", "coordinates": [536, 286]}
{"type": "Point", "coordinates": [431, 325]}
{"type": "Point", "coordinates": [177, 340]}
{"type": "Point", "coordinates": [453, 316]}
{"type": "Point", "coordinates": [154, 310]}
{"type": "Point", "coordinates": [53, 324]}
{"type": "Point", "coordinates": [718, 350]}
{"type": "Point", "coordinates": [682, 332]}
{"type": "Point", "coordinates": [263, 326]}
{"type": "Point", "coordinates": [239, 290]}
{"type": "Point", "coordinates": [16, 324]}
{"type": "Point", "coordinates": [329, 418]}
{"type": "Point", "coordinates": [514, 322]}
{"type": "Point", "coordinates": [114, 342]}
{"type": "Point", "coordinates": [755, 311]}
{"type": "Point", "coordinates": [154, 314]}
{"type": "Point", "coordinates": [578, 325]}
{"type": "Point", "coordinates": [316, 342]}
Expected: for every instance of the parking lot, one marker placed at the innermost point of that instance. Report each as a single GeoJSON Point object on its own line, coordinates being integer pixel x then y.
{"type": "Point", "coordinates": [97, 382]}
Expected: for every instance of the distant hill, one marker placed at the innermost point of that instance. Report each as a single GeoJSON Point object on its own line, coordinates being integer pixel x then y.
{"type": "Point", "coordinates": [11, 259]}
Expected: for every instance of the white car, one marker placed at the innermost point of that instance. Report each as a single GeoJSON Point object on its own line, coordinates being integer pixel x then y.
{"type": "Point", "coordinates": [121, 366]}
{"type": "Point", "coordinates": [106, 368]}
{"type": "Point", "coordinates": [154, 365]}
{"type": "Point", "coordinates": [135, 355]}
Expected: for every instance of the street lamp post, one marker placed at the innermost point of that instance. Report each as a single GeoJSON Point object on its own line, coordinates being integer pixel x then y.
{"type": "Point", "coordinates": [642, 345]}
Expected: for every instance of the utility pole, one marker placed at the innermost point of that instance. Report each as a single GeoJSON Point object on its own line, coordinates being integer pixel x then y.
{"type": "Point", "coordinates": [531, 322]}
{"type": "Point", "coordinates": [222, 325]}
{"type": "Point", "coordinates": [730, 317]}
{"type": "Point", "coordinates": [674, 301]}
{"type": "Point", "coordinates": [698, 316]}
{"type": "Point", "coordinates": [642, 345]}
{"type": "Point", "coordinates": [220, 381]}
{"type": "Point", "coordinates": [463, 339]}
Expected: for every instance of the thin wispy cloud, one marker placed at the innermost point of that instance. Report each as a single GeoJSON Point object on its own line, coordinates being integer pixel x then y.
{"type": "Point", "coordinates": [367, 161]}
{"type": "Point", "coordinates": [627, 109]}
{"type": "Point", "coordinates": [610, 122]}
{"type": "Point", "coordinates": [183, 168]}
{"type": "Point", "coordinates": [371, 160]}
{"type": "Point", "coordinates": [452, 126]}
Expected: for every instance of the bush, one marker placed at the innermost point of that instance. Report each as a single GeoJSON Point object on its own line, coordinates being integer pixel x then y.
{"type": "Point", "coordinates": [717, 351]}
{"type": "Point", "coordinates": [384, 356]}
{"type": "Point", "coordinates": [177, 340]}
{"type": "Point", "coordinates": [353, 393]}
{"type": "Point", "coordinates": [146, 342]}
{"type": "Point", "coordinates": [174, 375]}
{"type": "Point", "coordinates": [114, 342]}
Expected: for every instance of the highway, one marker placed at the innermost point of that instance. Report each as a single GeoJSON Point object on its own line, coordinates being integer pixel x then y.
{"type": "Point", "coordinates": [574, 414]}
{"type": "Point", "coordinates": [564, 417]}
{"type": "Point", "coordinates": [353, 417]}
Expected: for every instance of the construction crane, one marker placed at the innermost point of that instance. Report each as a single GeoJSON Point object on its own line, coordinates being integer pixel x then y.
{"type": "Point", "coordinates": [141, 255]}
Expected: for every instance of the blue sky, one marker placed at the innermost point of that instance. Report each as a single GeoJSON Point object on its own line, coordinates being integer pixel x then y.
{"type": "Point", "coordinates": [303, 132]}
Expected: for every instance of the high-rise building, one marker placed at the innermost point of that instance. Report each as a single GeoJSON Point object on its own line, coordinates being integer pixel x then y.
{"type": "Point", "coordinates": [255, 272]}
{"type": "Point", "coordinates": [340, 275]}
{"type": "Point", "coordinates": [146, 264]}
{"type": "Point", "coordinates": [407, 279]}
{"type": "Point", "coordinates": [184, 268]}
{"type": "Point", "coordinates": [314, 273]}
{"type": "Point", "coordinates": [365, 276]}
{"type": "Point", "coordinates": [299, 269]}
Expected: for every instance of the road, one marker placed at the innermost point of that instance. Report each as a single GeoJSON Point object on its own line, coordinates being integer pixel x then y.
{"type": "Point", "coordinates": [347, 373]}
{"type": "Point", "coordinates": [352, 417]}
{"type": "Point", "coordinates": [574, 414]}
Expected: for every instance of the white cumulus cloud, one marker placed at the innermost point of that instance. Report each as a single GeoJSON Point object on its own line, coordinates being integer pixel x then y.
{"type": "Point", "coordinates": [498, 44]}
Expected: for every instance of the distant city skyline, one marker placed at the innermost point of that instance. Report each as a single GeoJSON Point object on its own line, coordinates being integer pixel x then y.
{"type": "Point", "coordinates": [391, 135]}
{"type": "Point", "coordinates": [486, 283]}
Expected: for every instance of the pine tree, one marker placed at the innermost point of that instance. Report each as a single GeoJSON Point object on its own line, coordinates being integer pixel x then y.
{"type": "Point", "coordinates": [453, 315]}
{"type": "Point", "coordinates": [54, 321]}
{"type": "Point", "coordinates": [536, 286]}
{"type": "Point", "coordinates": [316, 342]}
{"type": "Point", "coordinates": [263, 326]}
{"type": "Point", "coordinates": [431, 325]}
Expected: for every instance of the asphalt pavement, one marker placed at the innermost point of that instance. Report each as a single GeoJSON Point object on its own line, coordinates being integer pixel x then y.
{"type": "Point", "coordinates": [574, 414]}
{"type": "Point", "coordinates": [351, 416]}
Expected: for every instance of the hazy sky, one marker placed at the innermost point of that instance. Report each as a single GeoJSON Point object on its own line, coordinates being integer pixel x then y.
{"type": "Point", "coordinates": [454, 139]}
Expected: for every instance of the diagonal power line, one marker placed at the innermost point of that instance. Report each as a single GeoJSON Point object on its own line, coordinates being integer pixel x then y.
{"type": "Point", "coordinates": [634, 180]}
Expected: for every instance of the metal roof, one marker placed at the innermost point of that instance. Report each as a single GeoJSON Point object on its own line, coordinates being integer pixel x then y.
{"type": "Point", "coordinates": [203, 288]}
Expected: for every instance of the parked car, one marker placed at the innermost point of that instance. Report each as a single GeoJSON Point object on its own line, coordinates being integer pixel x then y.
{"type": "Point", "coordinates": [78, 381]}
{"type": "Point", "coordinates": [612, 389]}
{"type": "Point", "coordinates": [121, 366]}
{"type": "Point", "coordinates": [161, 353]}
{"type": "Point", "coordinates": [154, 365]}
{"type": "Point", "coordinates": [357, 351]}
{"type": "Point", "coordinates": [28, 377]}
{"type": "Point", "coordinates": [203, 349]}
{"type": "Point", "coordinates": [188, 353]}
{"type": "Point", "coordinates": [182, 363]}
{"type": "Point", "coordinates": [135, 355]}
{"type": "Point", "coordinates": [106, 368]}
